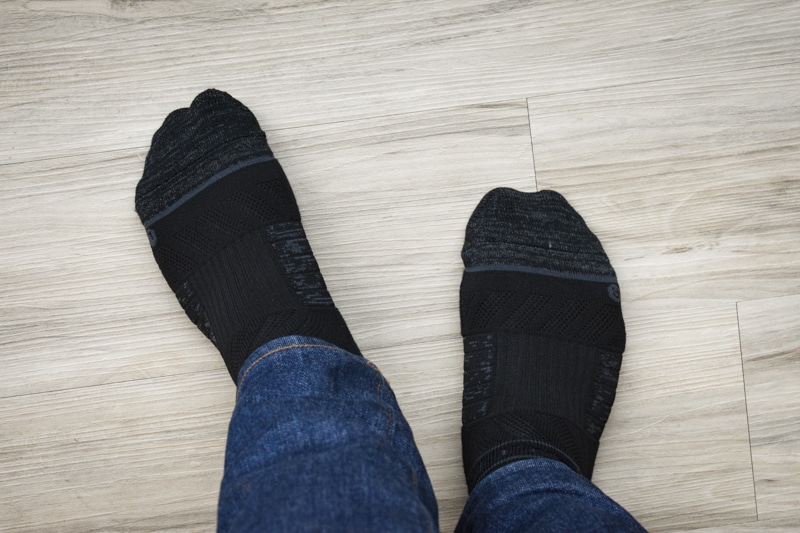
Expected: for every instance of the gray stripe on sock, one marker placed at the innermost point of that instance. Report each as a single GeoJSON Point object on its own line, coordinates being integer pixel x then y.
{"type": "Point", "coordinates": [197, 190]}
{"type": "Point", "coordinates": [542, 272]}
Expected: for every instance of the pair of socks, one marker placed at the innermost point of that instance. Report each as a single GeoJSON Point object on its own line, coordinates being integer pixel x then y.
{"type": "Point", "coordinates": [540, 312]}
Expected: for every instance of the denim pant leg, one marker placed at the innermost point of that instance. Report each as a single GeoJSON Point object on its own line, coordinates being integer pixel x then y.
{"type": "Point", "coordinates": [541, 495]}
{"type": "Point", "coordinates": [317, 443]}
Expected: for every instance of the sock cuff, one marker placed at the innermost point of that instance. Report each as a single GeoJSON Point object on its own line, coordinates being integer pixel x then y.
{"type": "Point", "coordinates": [576, 448]}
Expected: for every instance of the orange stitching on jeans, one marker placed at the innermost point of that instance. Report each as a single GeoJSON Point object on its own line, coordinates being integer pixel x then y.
{"type": "Point", "coordinates": [276, 350]}
{"type": "Point", "coordinates": [416, 493]}
{"type": "Point", "coordinates": [391, 424]}
{"type": "Point", "coordinates": [380, 375]}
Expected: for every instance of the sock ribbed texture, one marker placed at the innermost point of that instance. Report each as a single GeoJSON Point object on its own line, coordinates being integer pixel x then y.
{"type": "Point", "coordinates": [543, 334]}
{"type": "Point", "coordinates": [225, 230]}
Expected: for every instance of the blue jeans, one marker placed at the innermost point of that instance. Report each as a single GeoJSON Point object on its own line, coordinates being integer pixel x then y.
{"type": "Point", "coordinates": [317, 442]}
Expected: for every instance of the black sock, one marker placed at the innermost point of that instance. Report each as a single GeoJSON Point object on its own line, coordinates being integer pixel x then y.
{"type": "Point", "coordinates": [543, 334]}
{"type": "Point", "coordinates": [225, 230]}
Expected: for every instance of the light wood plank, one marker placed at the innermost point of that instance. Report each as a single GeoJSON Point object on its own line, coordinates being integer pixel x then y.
{"type": "Point", "coordinates": [771, 357]}
{"type": "Point", "coordinates": [772, 526]}
{"type": "Point", "coordinates": [385, 202]}
{"type": "Point", "coordinates": [138, 456]}
{"type": "Point", "coordinates": [675, 452]}
{"type": "Point", "coordinates": [83, 301]}
{"type": "Point", "coordinates": [692, 185]}
{"type": "Point", "coordinates": [92, 75]}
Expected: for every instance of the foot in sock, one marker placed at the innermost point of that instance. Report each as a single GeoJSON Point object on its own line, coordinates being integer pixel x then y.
{"type": "Point", "coordinates": [543, 334]}
{"type": "Point", "coordinates": [225, 230]}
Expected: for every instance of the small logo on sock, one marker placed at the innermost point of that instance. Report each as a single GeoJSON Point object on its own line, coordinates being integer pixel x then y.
{"type": "Point", "coordinates": [151, 236]}
{"type": "Point", "coordinates": [613, 292]}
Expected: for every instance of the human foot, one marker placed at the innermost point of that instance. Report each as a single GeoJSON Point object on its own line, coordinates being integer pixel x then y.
{"type": "Point", "coordinates": [225, 230]}
{"type": "Point", "coordinates": [543, 334]}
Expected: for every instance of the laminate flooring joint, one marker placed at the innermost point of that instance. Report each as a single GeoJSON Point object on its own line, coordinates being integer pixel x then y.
{"type": "Point", "coordinates": [110, 383]}
{"type": "Point", "coordinates": [746, 411]}
{"type": "Point", "coordinates": [716, 76]}
{"type": "Point", "coordinates": [533, 152]}
{"type": "Point", "coordinates": [418, 342]}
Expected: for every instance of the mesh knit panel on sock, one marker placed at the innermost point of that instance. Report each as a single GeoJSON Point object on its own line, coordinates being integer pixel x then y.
{"type": "Point", "coordinates": [568, 309]}
{"type": "Point", "coordinates": [248, 200]}
{"type": "Point", "coordinates": [242, 268]}
{"type": "Point", "coordinates": [540, 368]}
{"type": "Point", "coordinates": [544, 406]}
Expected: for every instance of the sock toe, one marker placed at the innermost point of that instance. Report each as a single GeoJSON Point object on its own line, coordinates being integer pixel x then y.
{"type": "Point", "coordinates": [193, 144]}
{"type": "Point", "coordinates": [538, 230]}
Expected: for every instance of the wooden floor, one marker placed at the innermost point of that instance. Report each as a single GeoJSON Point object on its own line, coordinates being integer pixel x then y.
{"type": "Point", "coordinates": [672, 126]}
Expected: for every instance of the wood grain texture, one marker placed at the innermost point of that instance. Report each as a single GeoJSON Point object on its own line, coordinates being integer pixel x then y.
{"type": "Point", "coordinates": [101, 74]}
{"type": "Point", "coordinates": [384, 202]}
{"type": "Point", "coordinates": [138, 456]}
{"type": "Point", "coordinates": [671, 126]}
{"type": "Point", "coordinates": [772, 526]}
{"type": "Point", "coordinates": [771, 359]}
{"type": "Point", "coordinates": [692, 185]}
{"type": "Point", "coordinates": [83, 300]}
{"type": "Point", "coordinates": [675, 452]}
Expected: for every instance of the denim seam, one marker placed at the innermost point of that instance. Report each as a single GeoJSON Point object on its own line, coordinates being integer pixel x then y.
{"type": "Point", "coordinates": [376, 369]}
{"type": "Point", "coordinates": [276, 350]}
{"type": "Point", "coordinates": [415, 489]}
{"type": "Point", "coordinates": [390, 430]}
{"type": "Point", "coordinates": [416, 493]}
{"type": "Point", "coordinates": [379, 387]}
{"type": "Point", "coordinates": [378, 391]}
